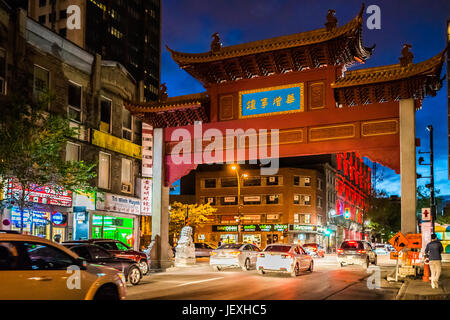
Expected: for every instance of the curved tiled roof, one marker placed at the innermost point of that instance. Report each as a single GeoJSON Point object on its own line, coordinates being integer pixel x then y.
{"type": "Point", "coordinates": [267, 45]}
{"type": "Point", "coordinates": [390, 73]}
{"type": "Point", "coordinates": [171, 104]}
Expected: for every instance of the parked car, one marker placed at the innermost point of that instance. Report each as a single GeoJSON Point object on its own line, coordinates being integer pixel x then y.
{"type": "Point", "coordinates": [356, 252]}
{"type": "Point", "coordinates": [390, 248]}
{"type": "Point", "coordinates": [314, 249]}
{"type": "Point", "coordinates": [97, 255]}
{"type": "Point", "coordinates": [380, 248]}
{"type": "Point", "coordinates": [202, 249]}
{"type": "Point", "coordinates": [286, 258]}
{"type": "Point", "coordinates": [119, 250]}
{"type": "Point", "coordinates": [32, 268]}
{"type": "Point", "coordinates": [232, 255]}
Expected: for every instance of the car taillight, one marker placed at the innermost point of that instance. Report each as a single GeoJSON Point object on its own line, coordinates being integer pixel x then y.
{"type": "Point", "coordinates": [212, 253]}
{"type": "Point", "coordinates": [261, 255]}
{"type": "Point", "coordinates": [361, 251]}
{"type": "Point", "coordinates": [315, 249]}
{"type": "Point", "coordinates": [286, 256]}
{"type": "Point", "coordinates": [340, 250]}
{"type": "Point", "coordinates": [235, 253]}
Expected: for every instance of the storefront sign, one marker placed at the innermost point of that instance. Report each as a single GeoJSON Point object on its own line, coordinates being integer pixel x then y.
{"type": "Point", "coordinates": [107, 141]}
{"type": "Point", "coordinates": [302, 228]}
{"type": "Point", "coordinates": [43, 195]}
{"type": "Point", "coordinates": [269, 101]}
{"type": "Point", "coordinates": [225, 228]}
{"type": "Point", "coordinates": [265, 227]}
{"type": "Point", "coordinates": [280, 227]}
{"type": "Point", "coordinates": [113, 202]}
{"type": "Point", "coordinates": [37, 217]}
{"type": "Point", "coordinates": [146, 191]}
{"type": "Point", "coordinates": [250, 227]}
{"type": "Point", "coordinates": [58, 219]}
{"type": "Point", "coordinates": [147, 150]}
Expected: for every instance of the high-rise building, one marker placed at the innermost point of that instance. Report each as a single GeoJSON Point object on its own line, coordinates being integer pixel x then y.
{"type": "Point", "coordinates": [119, 30]}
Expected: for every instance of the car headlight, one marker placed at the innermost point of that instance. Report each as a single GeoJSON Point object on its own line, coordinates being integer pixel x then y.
{"type": "Point", "coordinates": [122, 277]}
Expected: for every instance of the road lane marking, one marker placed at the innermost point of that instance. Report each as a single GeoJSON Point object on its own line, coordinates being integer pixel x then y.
{"type": "Point", "coordinates": [199, 281]}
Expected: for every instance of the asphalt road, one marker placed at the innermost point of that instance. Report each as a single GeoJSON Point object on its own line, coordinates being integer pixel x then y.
{"type": "Point", "coordinates": [328, 281]}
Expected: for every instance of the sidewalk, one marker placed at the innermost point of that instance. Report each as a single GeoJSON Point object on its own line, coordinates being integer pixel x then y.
{"type": "Point", "coordinates": [416, 289]}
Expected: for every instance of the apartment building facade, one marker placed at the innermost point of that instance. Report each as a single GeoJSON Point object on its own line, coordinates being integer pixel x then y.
{"type": "Point", "coordinates": [118, 30]}
{"type": "Point", "coordinates": [287, 207]}
{"type": "Point", "coordinates": [91, 92]}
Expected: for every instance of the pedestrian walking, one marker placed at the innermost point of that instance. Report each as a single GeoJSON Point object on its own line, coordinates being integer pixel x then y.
{"type": "Point", "coordinates": [433, 252]}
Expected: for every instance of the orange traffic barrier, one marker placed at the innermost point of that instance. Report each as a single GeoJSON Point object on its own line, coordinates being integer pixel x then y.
{"type": "Point", "coordinates": [426, 272]}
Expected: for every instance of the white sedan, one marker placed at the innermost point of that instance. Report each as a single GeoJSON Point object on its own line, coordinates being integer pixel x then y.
{"type": "Point", "coordinates": [232, 255]}
{"type": "Point", "coordinates": [286, 258]}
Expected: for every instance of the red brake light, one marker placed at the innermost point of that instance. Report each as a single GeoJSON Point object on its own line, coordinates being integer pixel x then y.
{"type": "Point", "coordinates": [340, 250]}
{"type": "Point", "coordinates": [261, 255]}
{"type": "Point", "coordinates": [286, 255]}
{"type": "Point", "coordinates": [361, 251]}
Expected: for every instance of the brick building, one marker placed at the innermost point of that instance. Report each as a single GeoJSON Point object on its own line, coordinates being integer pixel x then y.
{"type": "Point", "coordinates": [91, 92]}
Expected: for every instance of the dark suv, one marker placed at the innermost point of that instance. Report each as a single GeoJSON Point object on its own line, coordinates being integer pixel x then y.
{"type": "Point", "coordinates": [119, 250]}
{"type": "Point", "coordinates": [356, 252]}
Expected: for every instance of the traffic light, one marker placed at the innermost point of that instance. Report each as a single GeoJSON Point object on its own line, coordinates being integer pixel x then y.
{"type": "Point", "coordinates": [347, 213]}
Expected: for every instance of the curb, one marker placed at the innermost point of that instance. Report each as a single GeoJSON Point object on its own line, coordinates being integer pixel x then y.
{"type": "Point", "coordinates": [401, 292]}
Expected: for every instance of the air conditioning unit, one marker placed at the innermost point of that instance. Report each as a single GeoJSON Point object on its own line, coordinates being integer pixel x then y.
{"type": "Point", "coordinates": [126, 187]}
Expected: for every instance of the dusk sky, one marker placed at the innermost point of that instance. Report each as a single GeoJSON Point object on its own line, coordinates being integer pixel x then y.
{"type": "Point", "coordinates": [187, 26]}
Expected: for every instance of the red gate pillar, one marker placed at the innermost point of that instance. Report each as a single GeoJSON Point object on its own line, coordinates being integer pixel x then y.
{"type": "Point", "coordinates": [408, 165]}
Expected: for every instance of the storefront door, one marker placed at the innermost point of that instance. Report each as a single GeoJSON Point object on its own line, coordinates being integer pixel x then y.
{"type": "Point", "coordinates": [252, 238]}
{"type": "Point", "coordinates": [228, 238]}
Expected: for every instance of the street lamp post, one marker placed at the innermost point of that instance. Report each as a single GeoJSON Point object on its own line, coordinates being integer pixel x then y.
{"type": "Point", "coordinates": [236, 170]}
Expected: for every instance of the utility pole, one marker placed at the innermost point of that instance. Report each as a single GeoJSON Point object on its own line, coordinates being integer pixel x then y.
{"type": "Point", "coordinates": [432, 199]}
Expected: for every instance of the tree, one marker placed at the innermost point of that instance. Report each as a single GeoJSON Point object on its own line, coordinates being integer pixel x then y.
{"type": "Point", "coordinates": [198, 214]}
{"type": "Point", "coordinates": [31, 148]}
{"type": "Point", "coordinates": [384, 214]}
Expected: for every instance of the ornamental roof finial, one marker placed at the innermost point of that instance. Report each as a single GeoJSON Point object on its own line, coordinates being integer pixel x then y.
{"type": "Point", "coordinates": [215, 44]}
{"type": "Point", "coordinates": [331, 20]}
{"type": "Point", "coordinates": [162, 95]}
{"type": "Point", "coordinates": [407, 56]}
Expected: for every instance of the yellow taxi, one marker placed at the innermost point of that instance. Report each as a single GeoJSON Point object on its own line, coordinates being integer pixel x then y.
{"type": "Point", "coordinates": [32, 268]}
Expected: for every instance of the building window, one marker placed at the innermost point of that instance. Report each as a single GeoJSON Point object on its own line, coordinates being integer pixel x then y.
{"type": "Point", "coordinates": [42, 19]}
{"type": "Point", "coordinates": [2, 71]}
{"type": "Point", "coordinates": [104, 170]}
{"type": "Point", "coordinates": [252, 200]}
{"type": "Point", "coordinates": [210, 183]}
{"type": "Point", "coordinates": [319, 202]}
{"type": "Point", "coordinates": [73, 152]}
{"type": "Point", "coordinates": [319, 220]}
{"type": "Point", "coordinates": [302, 218]}
{"type": "Point", "coordinates": [302, 199]}
{"type": "Point", "coordinates": [105, 115]}
{"type": "Point", "coordinates": [52, 17]}
{"type": "Point", "coordinates": [127, 120]}
{"type": "Point", "coordinates": [42, 3]}
{"type": "Point", "coordinates": [272, 199]}
{"type": "Point", "coordinates": [319, 184]}
{"type": "Point", "coordinates": [252, 182]}
{"type": "Point", "coordinates": [74, 109]}
{"type": "Point", "coordinates": [228, 182]}
{"type": "Point", "coordinates": [302, 181]}
{"type": "Point", "coordinates": [210, 200]}
{"type": "Point", "coordinates": [272, 217]}
{"type": "Point", "coordinates": [127, 175]}
{"type": "Point", "coordinates": [41, 82]}
{"type": "Point", "coordinates": [63, 14]}
{"type": "Point", "coordinates": [228, 201]}
{"type": "Point", "coordinates": [272, 181]}
{"type": "Point", "coordinates": [63, 32]}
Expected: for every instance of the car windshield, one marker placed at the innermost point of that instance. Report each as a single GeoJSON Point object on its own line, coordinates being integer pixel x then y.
{"type": "Point", "coordinates": [230, 246]}
{"type": "Point", "coordinates": [352, 245]}
{"type": "Point", "coordinates": [278, 248]}
{"type": "Point", "coordinates": [310, 245]}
